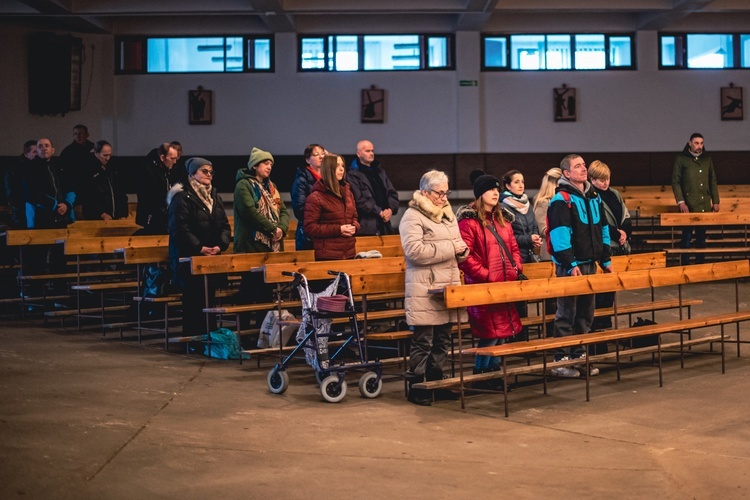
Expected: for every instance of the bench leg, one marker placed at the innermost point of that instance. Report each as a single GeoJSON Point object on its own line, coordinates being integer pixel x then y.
{"type": "Point", "coordinates": [166, 326]}
{"type": "Point", "coordinates": [505, 385]}
{"type": "Point", "coordinates": [658, 355]}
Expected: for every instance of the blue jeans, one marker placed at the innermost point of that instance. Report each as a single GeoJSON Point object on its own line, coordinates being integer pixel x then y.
{"type": "Point", "coordinates": [485, 362]}
{"type": "Point", "coordinates": [574, 314]}
{"type": "Point", "coordinates": [700, 242]}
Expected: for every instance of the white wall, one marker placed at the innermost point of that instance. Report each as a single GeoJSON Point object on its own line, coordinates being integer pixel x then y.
{"type": "Point", "coordinates": [427, 112]}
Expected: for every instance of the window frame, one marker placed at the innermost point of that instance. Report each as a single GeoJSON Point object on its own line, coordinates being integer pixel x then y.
{"type": "Point", "coordinates": [607, 65]}
{"type": "Point", "coordinates": [329, 63]}
{"type": "Point", "coordinates": [248, 56]}
{"type": "Point", "coordinates": [681, 60]}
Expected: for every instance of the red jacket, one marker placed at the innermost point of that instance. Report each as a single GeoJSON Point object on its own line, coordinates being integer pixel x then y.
{"type": "Point", "coordinates": [325, 213]}
{"type": "Point", "coordinates": [488, 263]}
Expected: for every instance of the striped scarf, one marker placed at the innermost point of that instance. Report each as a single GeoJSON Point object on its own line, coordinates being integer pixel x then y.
{"type": "Point", "coordinates": [269, 203]}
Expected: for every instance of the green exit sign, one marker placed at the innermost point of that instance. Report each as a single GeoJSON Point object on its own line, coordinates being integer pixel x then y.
{"type": "Point", "coordinates": [469, 83]}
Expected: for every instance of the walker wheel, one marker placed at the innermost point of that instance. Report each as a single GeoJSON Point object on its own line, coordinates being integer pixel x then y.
{"type": "Point", "coordinates": [278, 380]}
{"type": "Point", "coordinates": [332, 390]}
{"type": "Point", "coordinates": [370, 385]}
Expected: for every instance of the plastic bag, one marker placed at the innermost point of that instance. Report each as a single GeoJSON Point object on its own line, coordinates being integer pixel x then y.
{"type": "Point", "coordinates": [224, 345]}
{"type": "Point", "coordinates": [269, 329]}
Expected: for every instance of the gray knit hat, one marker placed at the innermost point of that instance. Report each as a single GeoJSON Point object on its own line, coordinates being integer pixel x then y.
{"type": "Point", "coordinates": [256, 156]}
{"type": "Point", "coordinates": [193, 164]}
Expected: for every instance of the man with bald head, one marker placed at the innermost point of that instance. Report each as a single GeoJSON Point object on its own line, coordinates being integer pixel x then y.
{"type": "Point", "coordinates": [376, 198]}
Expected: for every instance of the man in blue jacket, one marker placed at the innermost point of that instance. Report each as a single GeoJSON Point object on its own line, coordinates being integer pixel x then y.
{"type": "Point", "coordinates": [579, 239]}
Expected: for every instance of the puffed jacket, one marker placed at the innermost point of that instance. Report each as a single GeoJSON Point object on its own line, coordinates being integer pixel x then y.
{"type": "Point", "coordinates": [302, 186]}
{"type": "Point", "coordinates": [488, 263]}
{"type": "Point", "coordinates": [325, 213]}
{"type": "Point", "coordinates": [427, 233]}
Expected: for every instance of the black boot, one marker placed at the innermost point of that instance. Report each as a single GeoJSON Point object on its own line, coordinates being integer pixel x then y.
{"type": "Point", "coordinates": [494, 384]}
{"type": "Point", "coordinates": [441, 394]}
{"type": "Point", "coordinates": [421, 397]}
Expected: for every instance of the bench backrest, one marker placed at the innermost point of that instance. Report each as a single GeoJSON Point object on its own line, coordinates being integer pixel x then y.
{"type": "Point", "coordinates": [705, 219]}
{"type": "Point", "coordinates": [145, 255]}
{"type": "Point", "coordinates": [22, 237]}
{"type": "Point", "coordinates": [365, 243]}
{"type": "Point", "coordinates": [108, 244]}
{"type": "Point", "coordinates": [319, 270]}
{"type": "Point", "coordinates": [363, 284]}
{"type": "Point", "coordinates": [244, 262]}
{"type": "Point", "coordinates": [494, 293]}
{"type": "Point", "coordinates": [80, 229]}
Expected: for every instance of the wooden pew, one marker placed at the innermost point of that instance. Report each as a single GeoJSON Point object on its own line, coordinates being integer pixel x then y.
{"type": "Point", "coordinates": [482, 294]}
{"type": "Point", "coordinates": [734, 220]}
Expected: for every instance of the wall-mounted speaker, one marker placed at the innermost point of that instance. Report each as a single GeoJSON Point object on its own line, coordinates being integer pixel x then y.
{"type": "Point", "coordinates": [54, 73]}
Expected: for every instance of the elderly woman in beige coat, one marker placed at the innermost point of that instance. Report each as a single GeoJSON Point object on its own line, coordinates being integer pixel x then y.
{"type": "Point", "coordinates": [433, 248]}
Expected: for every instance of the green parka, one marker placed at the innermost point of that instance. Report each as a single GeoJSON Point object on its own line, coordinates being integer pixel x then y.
{"type": "Point", "coordinates": [248, 220]}
{"type": "Point", "coordinates": [694, 181]}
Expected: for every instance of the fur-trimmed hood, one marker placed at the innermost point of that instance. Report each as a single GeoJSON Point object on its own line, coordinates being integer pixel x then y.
{"type": "Point", "coordinates": [178, 187]}
{"type": "Point", "coordinates": [430, 210]}
{"type": "Point", "coordinates": [470, 212]}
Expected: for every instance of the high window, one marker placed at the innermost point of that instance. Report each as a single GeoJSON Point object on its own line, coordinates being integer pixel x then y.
{"type": "Point", "coordinates": [535, 52]}
{"type": "Point", "coordinates": [704, 50]}
{"type": "Point", "coordinates": [219, 54]}
{"type": "Point", "coordinates": [375, 52]}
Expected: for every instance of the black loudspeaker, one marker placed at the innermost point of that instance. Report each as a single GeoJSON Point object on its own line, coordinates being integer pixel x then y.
{"type": "Point", "coordinates": [54, 73]}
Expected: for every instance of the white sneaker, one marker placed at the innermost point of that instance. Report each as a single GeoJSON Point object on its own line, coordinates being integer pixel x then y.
{"type": "Point", "coordinates": [565, 371]}
{"type": "Point", "coordinates": [593, 372]}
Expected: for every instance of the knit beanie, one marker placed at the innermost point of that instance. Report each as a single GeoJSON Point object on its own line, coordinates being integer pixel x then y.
{"type": "Point", "coordinates": [483, 182]}
{"type": "Point", "coordinates": [256, 156]}
{"type": "Point", "coordinates": [193, 164]}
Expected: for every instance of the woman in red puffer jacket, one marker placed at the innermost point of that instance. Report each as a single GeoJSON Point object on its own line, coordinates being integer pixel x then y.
{"type": "Point", "coordinates": [331, 214]}
{"type": "Point", "coordinates": [481, 223]}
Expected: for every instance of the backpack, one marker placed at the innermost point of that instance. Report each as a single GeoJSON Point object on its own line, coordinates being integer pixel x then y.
{"type": "Point", "coordinates": [566, 196]}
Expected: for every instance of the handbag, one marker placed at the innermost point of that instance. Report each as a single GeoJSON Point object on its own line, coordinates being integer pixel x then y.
{"type": "Point", "coordinates": [519, 275]}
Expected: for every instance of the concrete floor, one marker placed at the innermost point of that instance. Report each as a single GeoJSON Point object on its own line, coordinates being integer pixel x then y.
{"type": "Point", "coordinates": [88, 417]}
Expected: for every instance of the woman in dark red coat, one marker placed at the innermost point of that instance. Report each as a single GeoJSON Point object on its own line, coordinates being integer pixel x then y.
{"type": "Point", "coordinates": [331, 214]}
{"type": "Point", "coordinates": [480, 222]}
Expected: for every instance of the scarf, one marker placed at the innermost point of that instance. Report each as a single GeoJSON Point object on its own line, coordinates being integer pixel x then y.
{"type": "Point", "coordinates": [519, 203]}
{"type": "Point", "coordinates": [269, 202]}
{"type": "Point", "coordinates": [430, 210]}
{"type": "Point", "coordinates": [317, 175]}
{"type": "Point", "coordinates": [204, 194]}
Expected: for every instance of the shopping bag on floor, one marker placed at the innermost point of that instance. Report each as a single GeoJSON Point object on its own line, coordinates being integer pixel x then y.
{"type": "Point", "coordinates": [269, 329]}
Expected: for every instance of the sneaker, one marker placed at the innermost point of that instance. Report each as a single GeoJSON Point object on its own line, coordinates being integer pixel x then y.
{"type": "Point", "coordinates": [593, 371]}
{"type": "Point", "coordinates": [564, 358]}
{"type": "Point", "coordinates": [565, 371]}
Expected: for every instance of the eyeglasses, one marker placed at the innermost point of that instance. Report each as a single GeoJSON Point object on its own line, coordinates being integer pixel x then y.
{"type": "Point", "coordinates": [441, 194]}
{"type": "Point", "coordinates": [207, 171]}
{"type": "Point", "coordinates": [319, 154]}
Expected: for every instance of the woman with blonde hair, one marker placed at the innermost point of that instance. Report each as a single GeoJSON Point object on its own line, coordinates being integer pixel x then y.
{"type": "Point", "coordinates": [541, 202]}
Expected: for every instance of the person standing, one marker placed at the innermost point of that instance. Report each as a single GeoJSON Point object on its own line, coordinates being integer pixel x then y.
{"type": "Point", "coordinates": [695, 190]}
{"type": "Point", "coordinates": [541, 202]}
{"type": "Point", "coordinates": [153, 186]}
{"type": "Point", "coordinates": [330, 215]}
{"type": "Point", "coordinates": [198, 225]}
{"type": "Point", "coordinates": [75, 156]}
{"type": "Point", "coordinates": [376, 198]}
{"type": "Point", "coordinates": [525, 228]}
{"type": "Point", "coordinates": [433, 249]}
{"type": "Point", "coordinates": [579, 239]}
{"type": "Point", "coordinates": [302, 186]}
{"type": "Point", "coordinates": [104, 197]}
{"type": "Point", "coordinates": [493, 257]}
{"type": "Point", "coordinates": [14, 185]}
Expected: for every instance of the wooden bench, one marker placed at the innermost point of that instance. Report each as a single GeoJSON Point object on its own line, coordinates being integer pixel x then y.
{"type": "Point", "coordinates": [482, 294]}
{"type": "Point", "coordinates": [737, 220]}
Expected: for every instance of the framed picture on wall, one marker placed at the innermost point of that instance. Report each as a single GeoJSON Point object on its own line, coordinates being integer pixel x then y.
{"type": "Point", "coordinates": [731, 103]}
{"type": "Point", "coordinates": [373, 105]}
{"type": "Point", "coordinates": [565, 105]}
{"type": "Point", "coordinates": [200, 106]}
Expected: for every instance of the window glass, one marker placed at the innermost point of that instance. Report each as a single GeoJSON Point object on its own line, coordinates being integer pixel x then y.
{"type": "Point", "coordinates": [558, 52]}
{"type": "Point", "coordinates": [183, 55]}
{"type": "Point", "coordinates": [261, 50]}
{"type": "Point", "coordinates": [620, 51]}
{"type": "Point", "coordinates": [313, 54]}
{"type": "Point", "coordinates": [745, 51]}
{"type": "Point", "coordinates": [590, 53]}
{"type": "Point", "coordinates": [343, 54]}
{"type": "Point", "coordinates": [495, 52]}
{"type": "Point", "coordinates": [527, 52]}
{"type": "Point", "coordinates": [710, 51]}
{"type": "Point", "coordinates": [388, 52]}
{"type": "Point", "coordinates": [437, 52]}
{"type": "Point", "coordinates": [668, 51]}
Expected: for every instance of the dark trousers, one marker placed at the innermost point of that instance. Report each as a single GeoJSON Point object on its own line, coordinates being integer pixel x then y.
{"type": "Point", "coordinates": [700, 242]}
{"type": "Point", "coordinates": [193, 302]}
{"type": "Point", "coordinates": [429, 348]}
{"type": "Point", "coordinates": [574, 314]}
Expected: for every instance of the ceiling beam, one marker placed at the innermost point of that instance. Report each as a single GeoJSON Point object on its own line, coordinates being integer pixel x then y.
{"type": "Point", "coordinates": [478, 12]}
{"type": "Point", "coordinates": [662, 20]}
{"type": "Point", "coordinates": [273, 15]}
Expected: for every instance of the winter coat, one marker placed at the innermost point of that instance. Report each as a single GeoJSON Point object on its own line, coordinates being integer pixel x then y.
{"type": "Point", "coordinates": [75, 158]}
{"type": "Point", "coordinates": [103, 191]}
{"type": "Point", "coordinates": [247, 218]}
{"type": "Point", "coordinates": [192, 226]}
{"type": "Point", "coordinates": [694, 181]}
{"type": "Point", "coordinates": [578, 234]}
{"type": "Point", "coordinates": [367, 209]}
{"type": "Point", "coordinates": [325, 213]}
{"type": "Point", "coordinates": [302, 186]}
{"type": "Point", "coordinates": [45, 187]}
{"type": "Point", "coordinates": [427, 234]}
{"type": "Point", "coordinates": [153, 187]}
{"type": "Point", "coordinates": [524, 226]}
{"type": "Point", "coordinates": [615, 225]}
{"type": "Point", "coordinates": [540, 214]}
{"type": "Point", "coordinates": [14, 185]}
{"type": "Point", "coordinates": [488, 263]}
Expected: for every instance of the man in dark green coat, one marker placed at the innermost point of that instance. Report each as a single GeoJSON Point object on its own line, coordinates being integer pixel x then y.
{"type": "Point", "coordinates": [695, 190]}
